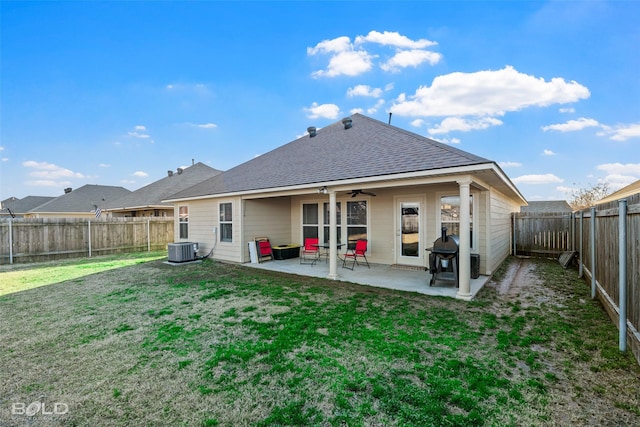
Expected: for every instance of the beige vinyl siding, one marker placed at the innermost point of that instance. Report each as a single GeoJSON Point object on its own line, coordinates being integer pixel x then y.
{"type": "Point", "coordinates": [500, 233]}
{"type": "Point", "coordinates": [267, 218]}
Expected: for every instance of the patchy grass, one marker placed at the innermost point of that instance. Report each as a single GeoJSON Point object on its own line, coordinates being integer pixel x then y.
{"type": "Point", "coordinates": [214, 344]}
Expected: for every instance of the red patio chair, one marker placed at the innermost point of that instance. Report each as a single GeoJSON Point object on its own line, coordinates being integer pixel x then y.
{"type": "Point", "coordinates": [263, 247]}
{"type": "Point", "coordinates": [309, 253]}
{"type": "Point", "coordinates": [357, 251]}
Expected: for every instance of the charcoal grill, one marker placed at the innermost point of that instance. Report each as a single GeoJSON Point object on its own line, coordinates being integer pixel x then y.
{"type": "Point", "coordinates": [444, 257]}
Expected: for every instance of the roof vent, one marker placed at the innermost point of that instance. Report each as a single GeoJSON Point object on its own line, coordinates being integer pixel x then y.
{"type": "Point", "coordinates": [67, 190]}
{"type": "Point", "coordinates": [180, 170]}
{"type": "Point", "coordinates": [312, 131]}
{"type": "Point", "coordinates": [347, 122]}
{"type": "Point", "coordinates": [169, 173]}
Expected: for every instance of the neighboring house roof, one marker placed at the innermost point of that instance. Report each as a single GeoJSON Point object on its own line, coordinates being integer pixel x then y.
{"type": "Point", "coordinates": [24, 205]}
{"type": "Point", "coordinates": [629, 190]}
{"type": "Point", "coordinates": [369, 148]}
{"type": "Point", "coordinates": [547, 206]}
{"type": "Point", "coordinates": [83, 200]}
{"type": "Point", "coordinates": [151, 196]}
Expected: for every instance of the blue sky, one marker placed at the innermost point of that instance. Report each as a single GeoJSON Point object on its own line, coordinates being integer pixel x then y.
{"type": "Point", "coordinates": [117, 93]}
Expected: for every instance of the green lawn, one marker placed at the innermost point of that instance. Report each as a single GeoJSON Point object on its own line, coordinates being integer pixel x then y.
{"type": "Point", "coordinates": [139, 342]}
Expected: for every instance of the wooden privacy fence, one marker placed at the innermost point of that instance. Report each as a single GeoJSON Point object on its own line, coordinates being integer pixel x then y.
{"type": "Point", "coordinates": [606, 239]}
{"type": "Point", "coordinates": [38, 239]}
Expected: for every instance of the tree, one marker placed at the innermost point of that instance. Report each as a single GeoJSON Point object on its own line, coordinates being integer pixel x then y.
{"type": "Point", "coordinates": [587, 197]}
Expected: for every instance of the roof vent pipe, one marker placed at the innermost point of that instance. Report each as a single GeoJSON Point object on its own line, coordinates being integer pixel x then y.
{"type": "Point", "coordinates": [312, 131]}
{"type": "Point", "coordinates": [169, 173]}
{"type": "Point", "coordinates": [67, 190]}
{"type": "Point", "coordinates": [180, 170]}
{"type": "Point", "coordinates": [347, 122]}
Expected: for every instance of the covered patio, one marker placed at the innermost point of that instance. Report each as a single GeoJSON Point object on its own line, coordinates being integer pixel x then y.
{"type": "Point", "coordinates": [379, 275]}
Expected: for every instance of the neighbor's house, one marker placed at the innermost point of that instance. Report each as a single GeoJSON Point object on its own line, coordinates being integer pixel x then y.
{"type": "Point", "coordinates": [629, 190]}
{"type": "Point", "coordinates": [17, 208]}
{"type": "Point", "coordinates": [85, 202]}
{"type": "Point", "coordinates": [357, 178]}
{"type": "Point", "coordinates": [547, 206]}
{"type": "Point", "coordinates": [147, 201]}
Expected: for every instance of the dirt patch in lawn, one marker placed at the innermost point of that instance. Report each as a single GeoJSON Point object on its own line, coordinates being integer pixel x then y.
{"type": "Point", "coordinates": [587, 387]}
{"type": "Point", "coordinates": [221, 344]}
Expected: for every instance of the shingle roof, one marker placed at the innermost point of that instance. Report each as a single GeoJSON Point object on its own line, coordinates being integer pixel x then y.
{"type": "Point", "coordinates": [153, 194]}
{"type": "Point", "coordinates": [21, 206]}
{"type": "Point", "coordinates": [629, 190]}
{"type": "Point", "coordinates": [369, 148]}
{"type": "Point", "coordinates": [547, 206]}
{"type": "Point", "coordinates": [83, 199]}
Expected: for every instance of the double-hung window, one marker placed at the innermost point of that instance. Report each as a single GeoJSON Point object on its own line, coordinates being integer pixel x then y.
{"type": "Point", "coordinates": [226, 222]}
{"type": "Point", "coordinates": [183, 221]}
{"type": "Point", "coordinates": [309, 221]}
{"type": "Point", "coordinates": [356, 221]}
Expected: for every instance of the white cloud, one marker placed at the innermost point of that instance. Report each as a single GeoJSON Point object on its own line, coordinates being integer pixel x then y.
{"type": "Point", "coordinates": [139, 132]}
{"type": "Point", "coordinates": [547, 152]}
{"type": "Point", "coordinates": [356, 110]}
{"type": "Point", "coordinates": [572, 125]}
{"type": "Point", "coordinates": [548, 178]}
{"type": "Point", "coordinates": [140, 174]}
{"type": "Point", "coordinates": [619, 168]}
{"type": "Point", "coordinates": [395, 39]}
{"type": "Point", "coordinates": [417, 123]}
{"type": "Point", "coordinates": [617, 181]}
{"type": "Point", "coordinates": [410, 58]}
{"type": "Point", "coordinates": [621, 132]}
{"type": "Point", "coordinates": [510, 164]}
{"type": "Point", "coordinates": [487, 93]}
{"type": "Point", "coordinates": [364, 90]}
{"type": "Point", "coordinates": [375, 108]}
{"type": "Point", "coordinates": [464, 125]}
{"type": "Point", "coordinates": [104, 165]}
{"type": "Point", "coordinates": [352, 59]}
{"type": "Point", "coordinates": [447, 140]}
{"type": "Point", "coordinates": [326, 111]}
{"type": "Point", "coordinates": [207, 126]}
{"type": "Point", "coordinates": [50, 175]}
{"type": "Point", "coordinates": [567, 110]}
{"type": "Point", "coordinates": [1, 148]}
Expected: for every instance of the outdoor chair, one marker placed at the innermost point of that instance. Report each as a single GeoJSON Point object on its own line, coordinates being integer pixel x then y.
{"type": "Point", "coordinates": [310, 252]}
{"type": "Point", "coordinates": [354, 252]}
{"type": "Point", "coordinates": [263, 248]}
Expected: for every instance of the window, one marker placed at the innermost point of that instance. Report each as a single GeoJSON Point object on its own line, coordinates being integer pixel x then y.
{"type": "Point", "coordinates": [183, 221]}
{"type": "Point", "coordinates": [226, 222]}
{"type": "Point", "coordinates": [450, 215]}
{"type": "Point", "coordinates": [309, 221]}
{"type": "Point", "coordinates": [326, 222]}
{"type": "Point", "coordinates": [356, 221]}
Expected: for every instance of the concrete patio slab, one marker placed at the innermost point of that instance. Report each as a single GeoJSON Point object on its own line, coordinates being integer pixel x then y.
{"type": "Point", "coordinates": [379, 275]}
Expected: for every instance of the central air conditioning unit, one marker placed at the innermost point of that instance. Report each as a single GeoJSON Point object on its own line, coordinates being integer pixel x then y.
{"type": "Point", "coordinates": [182, 252]}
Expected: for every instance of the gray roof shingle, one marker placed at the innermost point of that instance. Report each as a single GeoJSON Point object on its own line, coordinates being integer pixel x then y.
{"type": "Point", "coordinates": [369, 148]}
{"type": "Point", "coordinates": [85, 199]}
{"type": "Point", "coordinates": [153, 194]}
{"type": "Point", "coordinates": [547, 206]}
{"type": "Point", "coordinates": [21, 206]}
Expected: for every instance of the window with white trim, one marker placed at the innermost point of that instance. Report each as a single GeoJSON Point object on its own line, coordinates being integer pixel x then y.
{"type": "Point", "coordinates": [183, 221]}
{"type": "Point", "coordinates": [450, 215]}
{"type": "Point", "coordinates": [226, 222]}
{"type": "Point", "coordinates": [356, 221]}
{"type": "Point", "coordinates": [309, 221]}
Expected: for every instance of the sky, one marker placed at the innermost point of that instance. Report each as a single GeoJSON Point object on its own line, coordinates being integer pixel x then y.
{"type": "Point", "coordinates": [118, 93]}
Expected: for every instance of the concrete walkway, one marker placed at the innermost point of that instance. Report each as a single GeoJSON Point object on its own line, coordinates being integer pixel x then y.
{"type": "Point", "coordinates": [379, 275]}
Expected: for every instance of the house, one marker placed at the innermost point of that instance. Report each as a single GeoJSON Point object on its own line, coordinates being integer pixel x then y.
{"type": "Point", "coordinates": [147, 201]}
{"type": "Point", "coordinates": [85, 202]}
{"type": "Point", "coordinates": [547, 206]}
{"type": "Point", "coordinates": [17, 208]}
{"type": "Point", "coordinates": [356, 178]}
{"type": "Point", "coordinates": [629, 190]}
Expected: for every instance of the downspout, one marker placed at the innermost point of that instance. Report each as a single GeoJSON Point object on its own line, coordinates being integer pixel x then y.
{"type": "Point", "coordinates": [622, 275]}
{"type": "Point", "coordinates": [593, 252]}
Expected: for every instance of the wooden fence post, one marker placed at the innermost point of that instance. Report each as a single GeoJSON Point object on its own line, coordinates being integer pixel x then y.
{"type": "Point", "coordinates": [593, 252]}
{"type": "Point", "coordinates": [580, 244]}
{"type": "Point", "coordinates": [10, 242]}
{"type": "Point", "coordinates": [89, 227]}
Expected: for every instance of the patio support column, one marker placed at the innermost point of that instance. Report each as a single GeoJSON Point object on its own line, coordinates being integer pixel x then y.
{"type": "Point", "coordinates": [333, 237]}
{"type": "Point", "coordinates": [464, 269]}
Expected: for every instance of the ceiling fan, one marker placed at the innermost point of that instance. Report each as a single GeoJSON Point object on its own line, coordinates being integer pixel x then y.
{"type": "Point", "coordinates": [355, 193]}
